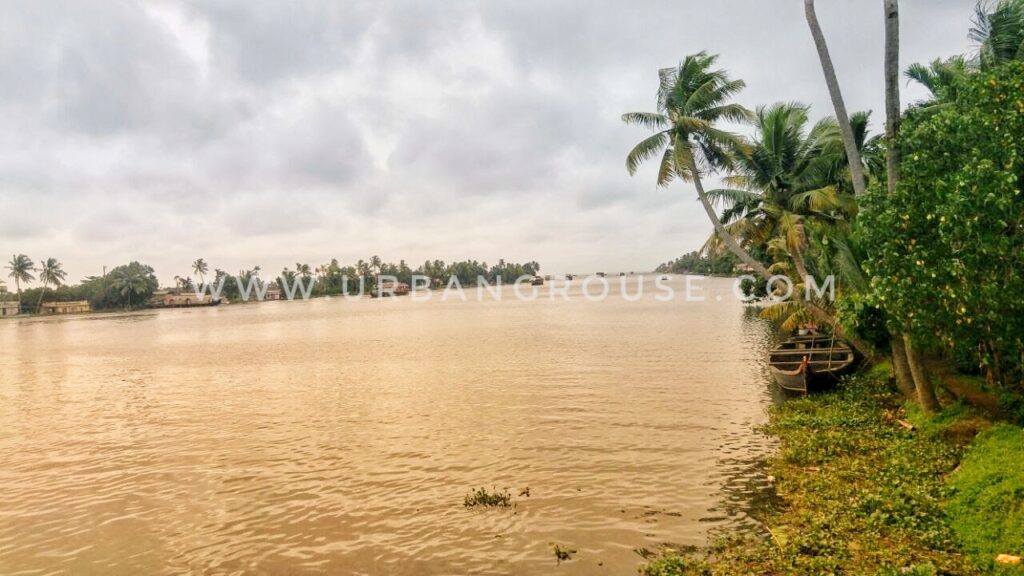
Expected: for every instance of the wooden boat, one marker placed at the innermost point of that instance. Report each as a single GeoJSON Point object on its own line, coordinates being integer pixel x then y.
{"type": "Point", "coordinates": [805, 363]}
{"type": "Point", "coordinates": [537, 281]}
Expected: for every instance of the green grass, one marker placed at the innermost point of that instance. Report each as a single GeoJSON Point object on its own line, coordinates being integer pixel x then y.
{"type": "Point", "coordinates": [861, 494]}
{"type": "Point", "coordinates": [986, 509]}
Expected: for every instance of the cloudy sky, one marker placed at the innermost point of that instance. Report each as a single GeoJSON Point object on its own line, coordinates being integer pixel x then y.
{"type": "Point", "coordinates": [269, 132]}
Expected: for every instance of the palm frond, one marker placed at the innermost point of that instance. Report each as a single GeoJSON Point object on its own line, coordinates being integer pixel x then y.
{"type": "Point", "coordinates": [647, 148]}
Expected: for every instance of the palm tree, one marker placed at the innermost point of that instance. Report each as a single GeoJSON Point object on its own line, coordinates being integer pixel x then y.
{"type": "Point", "coordinates": [788, 178]}
{"type": "Point", "coordinates": [790, 193]}
{"type": "Point", "coordinates": [303, 270]}
{"type": "Point", "coordinates": [130, 280]}
{"type": "Point", "coordinates": [941, 78]}
{"type": "Point", "coordinates": [51, 272]}
{"type": "Point", "coordinates": [692, 98]}
{"type": "Point", "coordinates": [856, 172]}
{"type": "Point", "coordinates": [200, 267]}
{"type": "Point", "coordinates": [999, 31]}
{"type": "Point", "coordinates": [21, 267]}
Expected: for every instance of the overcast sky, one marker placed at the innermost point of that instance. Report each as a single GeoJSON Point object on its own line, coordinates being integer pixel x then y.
{"type": "Point", "coordinates": [267, 133]}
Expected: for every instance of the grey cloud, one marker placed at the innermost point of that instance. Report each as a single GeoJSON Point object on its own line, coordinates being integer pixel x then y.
{"type": "Point", "coordinates": [252, 130]}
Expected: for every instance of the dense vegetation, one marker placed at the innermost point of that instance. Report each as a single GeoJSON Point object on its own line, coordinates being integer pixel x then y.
{"type": "Point", "coordinates": [947, 247]}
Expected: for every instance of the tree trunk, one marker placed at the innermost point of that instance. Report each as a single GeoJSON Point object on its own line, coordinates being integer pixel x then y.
{"type": "Point", "coordinates": [39, 305]}
{"type": "Point", "coordinates": [849, 141]}
{"type": "Point", "coordinates": [901, 368]}
{"type": "Point", "coordinates": [925, 391]}
{"type": "Point", "coordinates": [892, 92]}
{"type": "Point", "coordinates": [724, 234]}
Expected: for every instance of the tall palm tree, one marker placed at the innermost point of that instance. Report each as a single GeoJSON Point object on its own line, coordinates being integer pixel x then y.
{"type": "Point", "coordinates": [893, 114]}
{"type": "Point", "coordinates": [999, 31]}
{"type": "Point", "coordinates": [129, 281]}
{"type": "Point", "coordinates": [200, 267]}
{"type": "Point", "coordinates": [51, 272]}
{"type": "Point", "coordinates": [842, 116]}
{"type": "Point", "coordinates": [692, 98]}
{"type": "Point", "coordinates": [21, 267]}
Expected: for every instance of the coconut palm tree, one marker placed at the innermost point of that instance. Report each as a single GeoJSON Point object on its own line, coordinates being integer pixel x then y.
{"type": "Point", "coordinates": [21, 267]}
{"type": "Point", "coordinates": [128, 281]}
{"type": "Point", "coordinates": [788, 177]}
{"type": "Point", "coordinates": [842, 116]}
{"type": "Point", "coordinates": [941, 78]}
{"type": "Point", "coordinates": [999, 31]}
{"type": "Point", "coordinates": [200, 267]}
{"type": "Point", "coordinates": [51, 272]}
{"type": "Point", "coordinates": [692, 98]}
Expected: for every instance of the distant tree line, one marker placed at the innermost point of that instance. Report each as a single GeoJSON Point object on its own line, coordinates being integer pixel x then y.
{"type": "Point", "coordinates": [132, 285]}
{"type": "Point", "coordinates": [696, 263]}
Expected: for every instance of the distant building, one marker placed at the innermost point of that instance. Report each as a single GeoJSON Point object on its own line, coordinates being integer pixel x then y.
{"type": "Point", "coordinates": [10, 308]}
{"type": "Point", "coordinates": [273, 292]}
{"type": "Point", "coordinates": [75, 307]}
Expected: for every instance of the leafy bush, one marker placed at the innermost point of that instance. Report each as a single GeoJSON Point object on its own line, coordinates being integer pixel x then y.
{"type": "Point", "coordinates": [945, 246]}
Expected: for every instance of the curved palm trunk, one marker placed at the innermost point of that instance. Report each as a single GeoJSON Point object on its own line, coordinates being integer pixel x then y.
{"type": "Point", "coordinates": [842, 116]}
{"type": "Point", "coordinates": [724, 234]}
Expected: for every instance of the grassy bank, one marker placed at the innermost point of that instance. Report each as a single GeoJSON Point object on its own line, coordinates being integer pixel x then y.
{"type": "Point", "coordinates": [862, 493]}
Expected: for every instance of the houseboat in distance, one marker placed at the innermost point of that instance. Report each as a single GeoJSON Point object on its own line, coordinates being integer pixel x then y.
{"type": "Point", "coordinates": [74, 307]}
{"type": "Point", "coordinates": [537, 281]}
{"type": "Point", "coordinates": [173, 299]}
{"type": "Point", "coordinates": [390, 288]}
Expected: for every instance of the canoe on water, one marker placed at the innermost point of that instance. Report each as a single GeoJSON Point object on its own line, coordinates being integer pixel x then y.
{"type": "Point", "coordinates": [804, 363]}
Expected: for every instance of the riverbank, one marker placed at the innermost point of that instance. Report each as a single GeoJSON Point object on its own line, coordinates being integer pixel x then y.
{"type": "Point", "coordinates": [866, 485]}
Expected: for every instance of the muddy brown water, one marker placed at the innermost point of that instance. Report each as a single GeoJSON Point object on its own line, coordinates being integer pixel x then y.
{"type": "Point", "coordinates": [340, 437]}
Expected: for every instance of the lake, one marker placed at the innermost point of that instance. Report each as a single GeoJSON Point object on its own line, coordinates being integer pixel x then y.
{"type": "Point", "coordinates": [341, 436]}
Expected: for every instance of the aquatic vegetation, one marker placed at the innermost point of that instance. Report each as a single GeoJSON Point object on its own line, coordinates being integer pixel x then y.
{"type": "Point", "coordinates": [562, 552]}
{"type": "Point", "coordinates": [863, 494]}
{"type": "Point", "coordinates": [490, 499]}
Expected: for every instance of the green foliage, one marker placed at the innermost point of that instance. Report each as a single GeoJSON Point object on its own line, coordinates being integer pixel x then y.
{"type": "Point", "coordinates": [488, 499]}
{"type": "Point", "coordinates": [128, 286]}
{"type": "Point", "coordinates": [946, 246]}
{"type": "Point", "coordinates": [987, 506]}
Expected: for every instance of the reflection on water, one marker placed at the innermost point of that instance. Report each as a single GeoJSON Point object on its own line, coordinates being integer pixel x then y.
{"type": "Point", "coordinates": [340, 437]}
